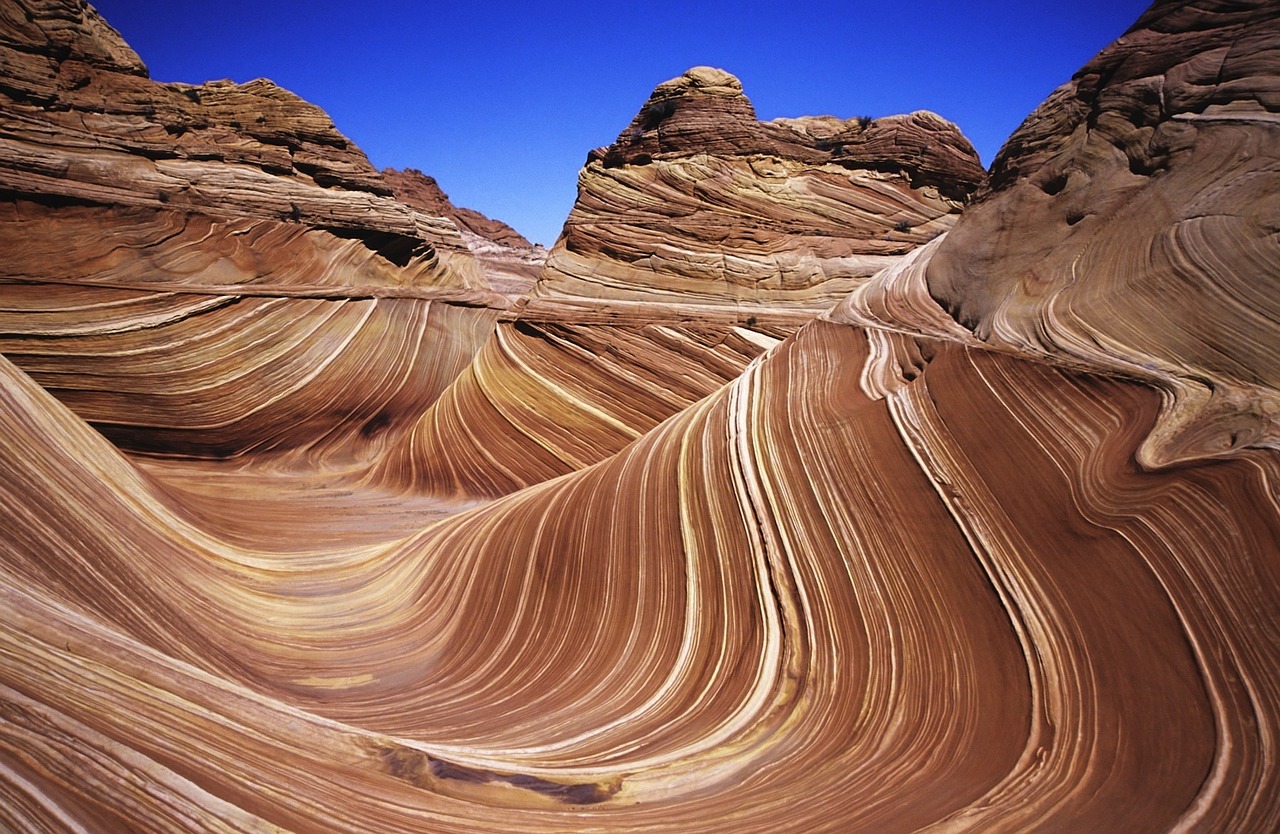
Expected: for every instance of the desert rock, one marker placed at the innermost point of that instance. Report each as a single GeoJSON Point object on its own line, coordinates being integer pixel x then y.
{"type": "Point", "coordinates": [697, 200]}
{"type": "Point", "coordinates": [1131, 223]}
{"type": "Point", "coordinates": [296, 537]}
{"type": "Point", "coordinates": [173, 229]}
{"type": "Point", "coordinates": [511, 262]}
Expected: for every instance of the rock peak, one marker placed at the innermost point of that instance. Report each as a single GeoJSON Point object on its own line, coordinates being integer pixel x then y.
{"type": "Point", "coordinates": [704, 111]}
{"type": "Point", "coordinates": [48, 33]}
{"type": "Point", "coordinates": [703, 105]}
{"type": "Point", "coordinates": [701, 80]}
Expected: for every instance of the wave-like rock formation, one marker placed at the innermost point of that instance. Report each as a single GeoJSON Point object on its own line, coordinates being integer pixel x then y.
{"type": "Point", "coordinates": [1131, 224]}
{"type": "Point", "coordinates": [202, 270]}
{"type": "Point", "coordinates": [83, 124]}
{"type": "Point", "coordinates": [691, 634]}
{"type": "Point", "coordinates": [945, 560]}
{"type": "Point", "coordinates": [543, 399]}
{"type": "Point", "coordinates": [697, 201]}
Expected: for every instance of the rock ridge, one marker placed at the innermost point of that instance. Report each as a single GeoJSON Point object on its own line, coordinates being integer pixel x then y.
{"type": "Point", "coordinates": [706, 111]}
{"type": "Point", "coordinates": [698, 201]}
{"type": "Point", "coordinates": [81, 122]}
{"type": "Point", "coordinates": [1146, 191]}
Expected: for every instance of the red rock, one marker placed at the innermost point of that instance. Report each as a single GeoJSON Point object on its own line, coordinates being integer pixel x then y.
{"type": "Point", "coordinates": [677, 561]}
{"type": "Point", "coordinates": [511, 262]}
{"type": "Point", "coordinates": [697, 201]}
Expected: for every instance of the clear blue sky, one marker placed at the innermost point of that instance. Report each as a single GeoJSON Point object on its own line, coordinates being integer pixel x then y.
{"type": "Point", "coordinates": [501, 101]}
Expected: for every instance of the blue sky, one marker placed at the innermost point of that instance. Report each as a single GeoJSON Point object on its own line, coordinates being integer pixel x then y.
{"type": "Point", "coordinates": [501, 101]}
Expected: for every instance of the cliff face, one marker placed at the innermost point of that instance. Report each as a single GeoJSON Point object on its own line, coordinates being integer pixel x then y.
{"type": "Point", "coordinates": [511, 262]}
{"type": "Point", "coordinates": [1131, 223]}
{"type": "Point", "coordinates": [698, 201]}
{"type": "Point", "coordinates": [171, 228]}
{"type": "Point", "coordinates": [969, 553]}
{"type": "Point", "coordinates": [83, 124]}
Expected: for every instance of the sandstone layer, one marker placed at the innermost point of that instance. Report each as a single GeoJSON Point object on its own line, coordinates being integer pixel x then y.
{"type": "Point", "coordinates": [511, 262]}
{"type": "Point", "coordinates": [554, 398]}
{"type": "Point", "coordinates": [697, 201]}
{"type": "Point", "coordinates": [83, 124]}
{"type": "Point", "coordinates": [328, 543]}
{"type": "Point", "coordinates": [1132, 223]}
{"type": "Point", "coordinates": [201, 270]}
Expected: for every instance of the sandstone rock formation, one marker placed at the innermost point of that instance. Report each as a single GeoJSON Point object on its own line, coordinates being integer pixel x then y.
{"type": "Point", "coordinates": [698, 201]}
{"type": "Point", "coordinates": [83, 124]}
{"type": "Point", "coordinates": [416, 189]}
{"type": "Point", "coordinates": [555, 397]}
{"type": "Point", "coordinates": [1131, 225]}
{"type": "Point", "coordinates": [511, 262]}
{"type": "Point", "coordinates": [419, 558]}
{"type": "Point", "coordinates": [176, 231]}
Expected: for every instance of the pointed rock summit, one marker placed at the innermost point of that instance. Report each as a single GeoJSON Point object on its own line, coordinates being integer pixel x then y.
{"type": "Point", "coordinates": [705, 111]}
{"type": "Point", "coordinates": [699, 201]}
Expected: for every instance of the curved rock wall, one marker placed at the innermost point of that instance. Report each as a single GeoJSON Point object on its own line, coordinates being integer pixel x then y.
{"type": "Point", "coordinates": [1132, 223]}
{"type": "Point", "coordinates": [544, 399]}
{"type": "Point", "coordinates": [731, 572]}
{"type": "Point", "coordinates": [202, 270]}
{"type": "Point", "coordinates": [967, 555]}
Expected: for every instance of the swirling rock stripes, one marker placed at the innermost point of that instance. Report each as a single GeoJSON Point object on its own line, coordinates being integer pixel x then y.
{"type": "Point", "coordinates": [223, 376]}
{"type": "Point", "coordinates": [1202, 545]}
{"type": "Point", "coordinates": [1144, 195]}
{"type": "Point", "coordinates": [169, 250]}
{"type": "Point", "coordinates": [392, 552]}
{"type": "Point", "coordinates": [752, 231]}
{"type": "Point", "coordinates": [695, 635]}
{"type": "Point", "coordinates": [81, 124]}
{"type": "Point", "coordinates": [545, 398]}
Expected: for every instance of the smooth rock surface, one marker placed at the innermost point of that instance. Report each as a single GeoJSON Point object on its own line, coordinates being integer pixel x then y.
{"type": "Point", "coordinates": [293, 537]}
{"type": "Point", "coordinates": [1133, 222]}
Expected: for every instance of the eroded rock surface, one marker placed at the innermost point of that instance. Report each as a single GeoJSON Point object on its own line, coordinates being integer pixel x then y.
{"type": "Point", "coordinates": [82, 123]}
{"type": "Point", "coordinates": [699, 201]}
{"type": "Point", "coordinates": [511, 262]}
{"type": "Point", "coordinates": [595, 564]}
{"type": "Point", "coordinates": [1133, 219]}
{"type": "Point", "coordinates": [201, 269]}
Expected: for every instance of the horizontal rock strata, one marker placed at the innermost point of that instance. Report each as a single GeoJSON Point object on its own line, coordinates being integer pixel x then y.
{"type": "Point", "coordinates": [698, 201]}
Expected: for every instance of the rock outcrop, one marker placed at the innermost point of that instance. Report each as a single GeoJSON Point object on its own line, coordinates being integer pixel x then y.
{"type": "Point", "coordinates": [83, 124]}
{"type": "Point", "coordinates": [201, 270]}
{"type": "Point", "coordinates": [697, 201]}
{"type": "Point", "coordinates": [416, 189]}
{"type": "Point", "coordinates": [556, 567]}
{"type": "Point", "coordinates": [1131, 224]}
{"type": "Point", "coordinates": [511, 262]}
